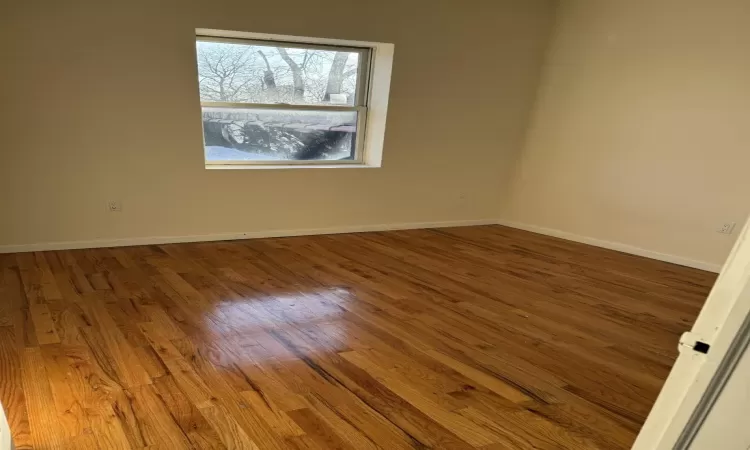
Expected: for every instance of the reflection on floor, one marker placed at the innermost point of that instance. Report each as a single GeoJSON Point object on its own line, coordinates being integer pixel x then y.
{"type": "Point", "coordinates": [481, 337]}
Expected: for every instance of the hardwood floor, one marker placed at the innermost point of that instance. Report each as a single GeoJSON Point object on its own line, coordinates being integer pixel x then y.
{"type": "Point", "coordinates": [480, 337]}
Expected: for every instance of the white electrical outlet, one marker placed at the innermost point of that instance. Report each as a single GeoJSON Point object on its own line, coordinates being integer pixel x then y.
{"type": "Point", "coordinates": [726, 228]}
{"type": "Point", "coordinates": [114, 206]}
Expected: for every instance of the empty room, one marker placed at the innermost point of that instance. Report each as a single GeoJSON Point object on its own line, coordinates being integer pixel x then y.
{"type": "Point", "coordinates": [329, 224]}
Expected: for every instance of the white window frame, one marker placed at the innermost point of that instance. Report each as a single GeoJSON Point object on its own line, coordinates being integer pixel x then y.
{"type": "Point", "coordinates": [371, 104]}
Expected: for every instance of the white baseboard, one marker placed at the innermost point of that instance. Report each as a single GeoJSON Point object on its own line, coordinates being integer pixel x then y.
{"type": "Point", "coordinates": [618, 246]}
{"type": "Point", "coordinates": [98, 243]}
{"type": "Point", "coordinates": [152, 240]}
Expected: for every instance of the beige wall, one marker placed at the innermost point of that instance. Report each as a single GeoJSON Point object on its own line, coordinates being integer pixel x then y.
{"type": "Point", "coordinates": [641, 132]}
{"type": "Point", "coordinates": [100, 101]}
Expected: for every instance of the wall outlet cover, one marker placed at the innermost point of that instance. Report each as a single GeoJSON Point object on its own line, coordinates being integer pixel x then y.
{"type": "Point", "coordinates": [114, 206]}
{"type": "Point", "coordinates": [726, 228]}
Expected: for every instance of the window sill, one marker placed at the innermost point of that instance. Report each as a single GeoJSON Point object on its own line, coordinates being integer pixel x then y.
{"type": "Point", "coordinates": [288, 166]}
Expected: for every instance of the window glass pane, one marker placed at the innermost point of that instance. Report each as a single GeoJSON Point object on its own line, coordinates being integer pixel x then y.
{"type": "Point", "coordinates": [245, 73]}
{"type": "Point", "coordinates": [252, 134]}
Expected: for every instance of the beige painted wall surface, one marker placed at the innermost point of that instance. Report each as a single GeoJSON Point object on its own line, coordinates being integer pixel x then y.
{"type": "Point", "coordinates": [100, 101]}
{"type": "Point", "coordinates": [641, 132]}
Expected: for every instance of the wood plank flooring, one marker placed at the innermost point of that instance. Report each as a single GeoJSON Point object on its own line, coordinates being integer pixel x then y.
{"type": "Point", "coordinates": [479, 337]}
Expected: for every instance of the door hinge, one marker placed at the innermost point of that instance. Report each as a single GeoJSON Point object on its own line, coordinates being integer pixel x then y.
{"type": "Point", "coordinates": [692, 341]}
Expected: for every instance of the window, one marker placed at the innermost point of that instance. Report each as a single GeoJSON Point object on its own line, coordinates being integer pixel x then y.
{"type": "Point", "coordinates": [270, 101]}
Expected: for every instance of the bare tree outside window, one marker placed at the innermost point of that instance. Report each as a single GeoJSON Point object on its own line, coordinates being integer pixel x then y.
{"type": "Point", "coordinates": [230, 72]}
{"type": "Point", "coordinates": [256, 75]}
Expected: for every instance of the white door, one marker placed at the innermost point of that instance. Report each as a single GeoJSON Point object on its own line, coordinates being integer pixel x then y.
{"type": "Point", "coordinates": [726, 425]}
{"type": "Point", "coordinates": [709, 354]}
{"type": "Point", "coordinates": [5, 441]}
